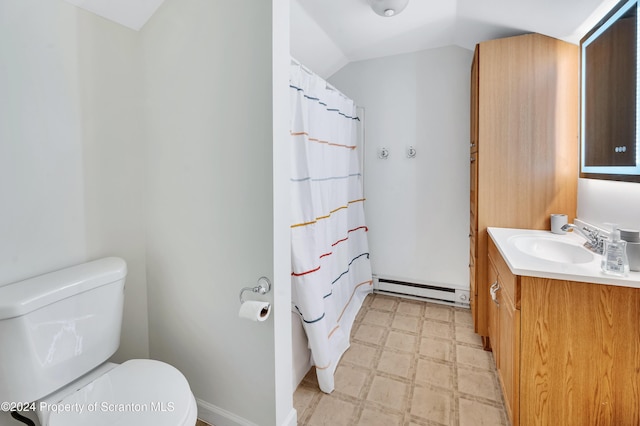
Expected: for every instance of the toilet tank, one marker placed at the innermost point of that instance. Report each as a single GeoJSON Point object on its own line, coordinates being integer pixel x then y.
{"type": "Point", "coordinates": [56, 327]}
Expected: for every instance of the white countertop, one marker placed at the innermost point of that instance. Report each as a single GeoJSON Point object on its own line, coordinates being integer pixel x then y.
{"type": "Point", "coordinates": [521, 263]}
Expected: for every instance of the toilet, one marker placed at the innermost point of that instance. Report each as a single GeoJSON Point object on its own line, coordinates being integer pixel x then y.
{"type": "Point", "coordinates": [57, 332]}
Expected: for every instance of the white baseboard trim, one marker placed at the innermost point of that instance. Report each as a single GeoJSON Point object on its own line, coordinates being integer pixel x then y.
{"type": "Point", "coordinates": [292, 418]}
{"type": "Point", "coordinates": [217, 416]}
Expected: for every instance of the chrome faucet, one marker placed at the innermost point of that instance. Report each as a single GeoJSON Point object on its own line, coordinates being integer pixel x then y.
{"type": "Point", "coordinates": [595, 242]}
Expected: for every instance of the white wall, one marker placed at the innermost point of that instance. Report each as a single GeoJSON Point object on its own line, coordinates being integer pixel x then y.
{"type": "Point", "coordinates": [603, 201]}
{"type": "Point", "coordinates": [210, 218]}
{"type": "Point", "coordinates": [417, 209]}
{"type": "Point", "coordinates": [113, 163]}
{"type": "Point", "coordinates": [42, 224]}
{"type": "Point", "coordinates": [70, 149]}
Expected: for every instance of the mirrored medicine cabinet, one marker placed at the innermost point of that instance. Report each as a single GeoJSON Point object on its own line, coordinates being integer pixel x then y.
{"type": "Point", "coordinates": [609, 124]}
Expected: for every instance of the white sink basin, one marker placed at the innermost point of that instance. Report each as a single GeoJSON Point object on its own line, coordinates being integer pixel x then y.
{"type": "Point", "coordinates": [542, 254]}
{"type": "Point", "coordinates": [551, 249]}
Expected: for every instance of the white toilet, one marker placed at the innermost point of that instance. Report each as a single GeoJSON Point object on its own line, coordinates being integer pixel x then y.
{"type": "Point", "coordinates": [56, 332]}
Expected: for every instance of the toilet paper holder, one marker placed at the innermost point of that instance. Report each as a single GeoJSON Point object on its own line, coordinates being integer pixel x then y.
{"type": "Point", "coordinates": [263, 287]}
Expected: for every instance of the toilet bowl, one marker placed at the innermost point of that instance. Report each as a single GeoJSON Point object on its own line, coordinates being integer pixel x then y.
{"type": "Point", "coordinates": [57, 332]}
{"type": "Point", "coordinates": [138, 392]}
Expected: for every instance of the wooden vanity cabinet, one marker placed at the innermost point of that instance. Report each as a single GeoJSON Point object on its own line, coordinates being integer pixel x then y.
{"type": "Point", "coordinates": [523, 145]}
{"type": "Point", "coordinates": [567, 352]}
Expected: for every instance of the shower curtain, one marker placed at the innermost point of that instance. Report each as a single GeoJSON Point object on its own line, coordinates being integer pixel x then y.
{"type": "Point", "coordinates": [331, 272]}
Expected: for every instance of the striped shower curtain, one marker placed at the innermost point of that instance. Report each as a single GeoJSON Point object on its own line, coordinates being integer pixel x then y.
{"type": "Point", "coordinates": [330, 256]}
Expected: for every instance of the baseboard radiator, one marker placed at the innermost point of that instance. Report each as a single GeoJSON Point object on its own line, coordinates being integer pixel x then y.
{"type": "Point", "coordinates": [428, 292]}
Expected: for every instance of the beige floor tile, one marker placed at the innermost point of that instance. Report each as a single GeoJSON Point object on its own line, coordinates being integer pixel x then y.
{"type": "Point", "coordinates": [466, 334]}
{"type": "Point", "coordinates": [360, 354]}
{"type": "Point", "coordinates": [350, 380]}
{"type": "Point", "coordinates": [302, 398]}
{"type": "Point", "coordinates": [437, 329]}
{"type": "Point", "coordinates": [473, 413]}
{"type": "Point", "coordinates": [463, 317]}
{"type": "Point", "coordinates": [406, 323]}
{"type": "Point", "coordinates": [376, 317]}
{"type": "Point", "coordinates": [434, 373]}
{"type": "Point", "coordinates": [431, 405]}
{"type": "Point", "coordinates": [396, 363]}
{"type": "Point", "coordinates": [366, 303]}
{"type": "Point", "coordinates": [332, 411]}
{"type": "Point", "coordinates": [372, 417]}
{"type": "Point", "coordinates": [361, 313]}
{"type": "Point", "coordinates": [436, 348]}
{"type": "Point", "coordinates": [401, 341]}
{"type": "Point", "coordinates": [478, 383]}
{"type": "Point", "coordinates": [410, 307]}
{"type": "Point", "coordinates": [410, 363]}
{"type": "Point", "coordinates": [438, 312]}
{"type": "Point", "coordinates": [476, 357]}
{"type": "Point", "coordinates": [311, 378]}
{"type": "Point", "coordinates": [384, 303]}
{"type": "Point", "coordinates": [370, 334]}
{"type": "Point", "coordinates": [388, 392]}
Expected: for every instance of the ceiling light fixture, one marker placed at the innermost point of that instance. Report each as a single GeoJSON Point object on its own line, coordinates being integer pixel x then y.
{"type": "Point", "coordinates": [388, 8]}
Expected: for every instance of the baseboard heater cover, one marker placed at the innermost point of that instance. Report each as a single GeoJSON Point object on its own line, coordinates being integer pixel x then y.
{"type": "Point", "coordinates": [430, 292]}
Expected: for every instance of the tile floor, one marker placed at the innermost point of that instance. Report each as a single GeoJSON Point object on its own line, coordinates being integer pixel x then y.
{"type": "Point", "coordinates": [410, 363]}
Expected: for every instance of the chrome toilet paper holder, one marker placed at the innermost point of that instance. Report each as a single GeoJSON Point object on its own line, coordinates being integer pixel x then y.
{"type": "Point", "coordinates": [263, 287]}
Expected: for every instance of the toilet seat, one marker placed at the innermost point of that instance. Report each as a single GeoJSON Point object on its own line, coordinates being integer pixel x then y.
{"type": "Point", "coordinates": [137, 392]}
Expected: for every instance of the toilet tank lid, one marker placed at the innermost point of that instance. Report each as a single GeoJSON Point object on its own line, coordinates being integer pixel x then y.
{"type": "Point", "coordinates": [26, 296]}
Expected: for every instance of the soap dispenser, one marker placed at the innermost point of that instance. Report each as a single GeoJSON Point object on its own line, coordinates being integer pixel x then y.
{"type": "Point", "coordinates": [614, 258]}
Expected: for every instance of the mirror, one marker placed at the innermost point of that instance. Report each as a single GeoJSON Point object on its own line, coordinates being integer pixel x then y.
{"type": "Point", "coordinates": [609, 125]}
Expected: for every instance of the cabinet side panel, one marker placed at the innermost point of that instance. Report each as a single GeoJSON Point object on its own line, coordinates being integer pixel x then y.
{"type": "Point", "coordinates": [580, 357]}
{"type": "Point", "coordinates": [528, 130]}
{"type": "Point", "coordinates": [527, 107]}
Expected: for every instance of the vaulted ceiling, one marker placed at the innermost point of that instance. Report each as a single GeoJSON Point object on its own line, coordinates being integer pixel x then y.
{"type": "Point", "coordinates": [327, 34]}
{"type": "Point", "coordinates": [132, 14]}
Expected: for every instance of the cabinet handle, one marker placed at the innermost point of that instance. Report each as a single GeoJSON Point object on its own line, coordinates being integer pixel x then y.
{"type": "Point", "coordinates": [473, 159]}
{"type": "Point", "coordinates": [493, 290]}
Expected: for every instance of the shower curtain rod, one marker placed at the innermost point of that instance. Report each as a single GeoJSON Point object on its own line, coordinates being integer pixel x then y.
{"type": "Point", "coordinates": [308, 71]}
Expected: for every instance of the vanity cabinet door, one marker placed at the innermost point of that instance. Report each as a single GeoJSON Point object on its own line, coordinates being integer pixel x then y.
{"type": "Point", "coordinates": [504, 329]}
{"type": "Point", "coordinates": [509, 350]}
{"type": "Point", "coordinates": [580, 354]}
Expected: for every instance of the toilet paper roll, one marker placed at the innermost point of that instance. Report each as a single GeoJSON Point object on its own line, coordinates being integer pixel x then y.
{"type": "Point", "coordinates": [255, 310]}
